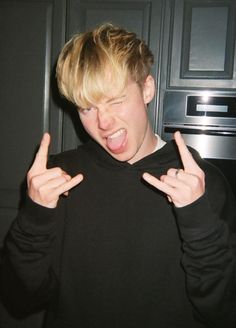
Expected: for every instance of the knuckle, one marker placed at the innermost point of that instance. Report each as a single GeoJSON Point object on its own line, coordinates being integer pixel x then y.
{"type": "Point", "coordinates": [58, 171]}
{"type": "Point", "coordinates": [170, 172]}
{"type": "Point", "coordinates": [34, 182]}
{"type": "Point", "coordinates": [44, 195]}
{"type": "Point", "coordinates": [41, 191]}
{"type": "Point", "coordinates": [163, 178]}
{"type": "Point", "coordinates": [61, 180]}
{"type": "Point", "coordinates": [67, 178]}
{"type": "Point", "coordinates": [195, 183]}
{"type": "Point", "coordinates": [29, 176]}
{"type": "Point", "coordinates": [195, 180]}
{"type": "Point", "coordinates": [202, 175]}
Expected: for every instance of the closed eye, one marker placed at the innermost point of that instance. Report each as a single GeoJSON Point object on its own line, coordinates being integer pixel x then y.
{"type": "Point", "coordinates": [85, 110]}
{"type": "Point", "coordinates": [118, 102]}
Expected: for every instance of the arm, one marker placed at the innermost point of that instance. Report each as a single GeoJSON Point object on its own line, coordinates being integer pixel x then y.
{"type": "Point", "coordinates": [34, 239]}
{"type": "Point", "coordinates": [209, 262]}
{"type": "Point", "coordinates": [208, 258]}
{"type": "Point", "coordinates": [27, 276]}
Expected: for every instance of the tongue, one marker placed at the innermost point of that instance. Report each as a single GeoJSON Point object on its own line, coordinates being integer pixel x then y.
{"type": "Point", "coordinates": [116, 143]}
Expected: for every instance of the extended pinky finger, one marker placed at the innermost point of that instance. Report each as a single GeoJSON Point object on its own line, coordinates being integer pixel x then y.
{"type": "Point", "coordinates": [65, 187]}
{"type": "Point", "coordinates": [162, 186]}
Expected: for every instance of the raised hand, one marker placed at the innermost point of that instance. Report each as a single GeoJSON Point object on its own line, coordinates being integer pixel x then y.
{"type": "Point", "coordinates": [46, 185]}
{"type": "Point", "coordinates": [182, 186]}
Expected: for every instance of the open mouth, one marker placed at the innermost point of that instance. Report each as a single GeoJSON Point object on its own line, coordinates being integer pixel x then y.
{"type": "Point", "coordinates": [116, 141]}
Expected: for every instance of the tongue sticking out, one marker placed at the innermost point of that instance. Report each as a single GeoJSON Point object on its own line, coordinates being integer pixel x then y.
{"type": "Point", "coordinates": [116, 141]}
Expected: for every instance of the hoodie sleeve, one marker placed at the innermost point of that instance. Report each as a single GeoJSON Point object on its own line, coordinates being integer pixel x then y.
{"type": "Point", "coordinates": [208, 231]}
{"type": "Point", "coordinates": [29, 266]}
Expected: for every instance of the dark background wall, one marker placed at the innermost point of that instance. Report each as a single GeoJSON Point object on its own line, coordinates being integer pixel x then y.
{"type": "Point", "coordinates": [194, 46]}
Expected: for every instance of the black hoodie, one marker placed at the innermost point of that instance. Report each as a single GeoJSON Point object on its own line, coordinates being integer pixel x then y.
{"type": "Point", "coordinates": [116, 254]}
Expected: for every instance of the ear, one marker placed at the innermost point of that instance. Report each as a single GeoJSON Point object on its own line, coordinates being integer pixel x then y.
{"type": "Point", "coordinates": [148, 89]}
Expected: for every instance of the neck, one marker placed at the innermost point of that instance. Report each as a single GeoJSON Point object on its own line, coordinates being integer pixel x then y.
{"type": "Point", "coordinates": [152, 145]}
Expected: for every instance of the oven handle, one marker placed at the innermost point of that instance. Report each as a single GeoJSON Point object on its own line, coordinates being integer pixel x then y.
{"type": "Point", "coordinates": [186, 130]}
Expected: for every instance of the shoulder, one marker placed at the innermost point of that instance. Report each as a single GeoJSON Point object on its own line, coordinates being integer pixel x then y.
{"type": "Point", "coordinates": [219, 193]}
{"type": "Point", "coordinates": [71, 160]}
{"type": "Point", "coordinates": [217, 186]}
{"type": "Point", "coordinates": [213, 174]}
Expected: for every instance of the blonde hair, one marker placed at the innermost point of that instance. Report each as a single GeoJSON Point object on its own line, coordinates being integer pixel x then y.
{"type": "Point", "coordinates": [90, 63]}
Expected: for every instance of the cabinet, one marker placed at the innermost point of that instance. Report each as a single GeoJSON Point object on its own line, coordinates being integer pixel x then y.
{"type": "Point", "coordinates": [202, 44]}
{"type": "Point", "coordinates": [198, 51]}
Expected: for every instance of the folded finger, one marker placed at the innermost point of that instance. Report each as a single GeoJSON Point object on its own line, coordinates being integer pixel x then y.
{"type": "Point", "coordinates": [56, 182]}
{"type": "Point", "coordinates": [160, 185]}
{"type": "Point", "coordinates": [173, 181]}
{"type": "Point", "coordinates": [43, 178]}
{"type": "Point", "coordinates": [68, 185]}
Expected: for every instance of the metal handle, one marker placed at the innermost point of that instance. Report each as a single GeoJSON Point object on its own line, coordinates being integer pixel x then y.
{"type": "Point", "coordinates": [186, 130]}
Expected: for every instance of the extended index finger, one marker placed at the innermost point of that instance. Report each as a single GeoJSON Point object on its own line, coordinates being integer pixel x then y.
{"type": "Point", "coordinates": [41, 158]}
{"type": "Point", "coordinates": [187, 159]}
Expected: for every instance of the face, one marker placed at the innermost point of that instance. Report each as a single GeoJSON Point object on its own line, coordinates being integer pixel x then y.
{"type": "Point", "coordinates": [120, 124]}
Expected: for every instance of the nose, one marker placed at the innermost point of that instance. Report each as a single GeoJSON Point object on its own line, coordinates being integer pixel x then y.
{"type": "Point", "coordinates": [105, 119]}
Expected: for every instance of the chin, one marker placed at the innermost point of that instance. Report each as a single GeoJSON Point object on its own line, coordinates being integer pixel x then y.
{"type": "Point", "coordinates": [120, 157]}
{"type": "Point", "coordinates": [123, 157]}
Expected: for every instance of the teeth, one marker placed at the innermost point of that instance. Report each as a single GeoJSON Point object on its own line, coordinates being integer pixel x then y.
{"type": "Point", "coordinates": [116, 134]}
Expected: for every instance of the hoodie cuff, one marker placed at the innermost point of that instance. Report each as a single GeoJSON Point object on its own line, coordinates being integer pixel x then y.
{"type": "Point", "coordinates": [36, 218]}
{"type": "Point", "coordinates": [196, 220]}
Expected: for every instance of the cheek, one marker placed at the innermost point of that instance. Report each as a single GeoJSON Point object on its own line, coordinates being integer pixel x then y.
{"type": "Point", "coordinates": [88, 124]}
{"type": "Point", "coordinates": [139, 114]}
{"type": "Point", "coordinates": [135, 110]}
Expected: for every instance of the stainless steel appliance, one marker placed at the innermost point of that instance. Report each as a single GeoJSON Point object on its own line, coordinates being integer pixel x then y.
{"type": "Point", "coordinates": [207, 121]}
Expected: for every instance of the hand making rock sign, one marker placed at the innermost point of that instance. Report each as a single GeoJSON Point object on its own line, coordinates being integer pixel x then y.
{"type": "Point", "coordinates": [182, 186]}
{"type": "Point", "coordinates": [46, 185]}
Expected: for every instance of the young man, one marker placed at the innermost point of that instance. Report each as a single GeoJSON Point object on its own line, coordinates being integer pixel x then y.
{"type": "Point", "coordinates": [127, 231]}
